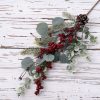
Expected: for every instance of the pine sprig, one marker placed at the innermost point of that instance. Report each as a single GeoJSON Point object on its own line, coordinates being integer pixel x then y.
{"type": "Point", "coordinates": [30, 51]}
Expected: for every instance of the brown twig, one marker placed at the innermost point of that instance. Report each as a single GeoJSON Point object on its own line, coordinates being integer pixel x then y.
{"type": "Point", "coordinates": [92, 8]}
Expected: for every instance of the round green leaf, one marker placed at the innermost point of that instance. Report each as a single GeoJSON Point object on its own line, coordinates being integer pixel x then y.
{"type": "Point", "coordinates": [63, 58]}
{"type": "Point", "coordinates": [58, 24]}
{"type": "Point", "coordinates": [48, 57]}
{"type": "Point", "coordinates": [42, 29]}
{"type": "Point", "coordinates": [58, 21]}
{"type": "Point", "coordinates": [57, 55]}
{"type": "Point", "coordinates": [27, 62]}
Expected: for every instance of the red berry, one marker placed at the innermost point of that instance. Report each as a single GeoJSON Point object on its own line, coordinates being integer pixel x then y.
{"type": "Point", "coordinates": [42, 50]}
{"type": "Point", "coordinates": [37, 92]}
{"type": "Point", "coordinates": [77, 26]}
{"type": "Point", "coordinates": [60, 46]}
{"type": "Point", "coordinates": [49, 64]}
{"type": "Point", "coordinates": [70, 38]}
{"type": "Point", "coordinates": [51, 43]}
{"type": "Point", "coordinates": [43, 77]}
{"type": "Point", "coordinates": [62, 35]}
{"type": "Point", "coordinates": [37, 81]}
{"type": "Point", "coordinates": [53, 46]}
{"type": "Point", "coordinates": [41, 87]}
{"type": "Point", "coordinates": [62, 39]}
{"type": "Point", "coordinates": [71, 30]}
{"type": "Point", "coordinates": [49, 50]}
{"type": "Point", "coordinates": [38, 69]}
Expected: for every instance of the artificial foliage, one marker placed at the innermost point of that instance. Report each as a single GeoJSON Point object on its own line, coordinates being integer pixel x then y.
{"type": "Point", "coordinates": [63, 41]}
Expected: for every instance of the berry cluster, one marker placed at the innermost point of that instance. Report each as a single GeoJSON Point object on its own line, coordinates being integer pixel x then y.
{"type": "Point", "coordinates": [52, 48]}
{"type": "Point", "coordinates": [38, 81]}
{"type": "Point", "coordinates": [39, 70]}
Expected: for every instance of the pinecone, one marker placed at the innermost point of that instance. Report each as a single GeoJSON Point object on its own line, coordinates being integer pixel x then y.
{"type": "Point", "coordinates": [82, 19]}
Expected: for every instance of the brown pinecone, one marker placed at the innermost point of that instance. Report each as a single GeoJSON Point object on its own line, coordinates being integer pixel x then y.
{"type": "Point", "coordinates": [82, 19]}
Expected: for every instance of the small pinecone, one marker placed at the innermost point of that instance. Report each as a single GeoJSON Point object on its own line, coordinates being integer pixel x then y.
{"type": "Point", "coordinates": [82, 19]}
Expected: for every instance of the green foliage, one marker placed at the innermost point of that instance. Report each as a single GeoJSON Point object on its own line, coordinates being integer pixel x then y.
{"type": "Point", "coordinates": [85, 29]}
{"type": "Point", "coordinates": [27, 62]}
{"type": "Point", "coordinates": [58, 23]}
{"type": "Point", "coordinates": [76, 48]}
{"type": "Point", "coordinates": [27, 82]}
{"type": "Point", "coordinates": [93, 39]}
{"type": "Point", "coordinates": [23, 86]}
{"type": "Point", "coordinates": [87, 34]}
{"type": "Point", "coordinates": [48, 57]}
{"type": "Point", "coordinates": [69, 16]}
{"type": "Point", "coordinates": [42, 29]}
{"type": "Point", "coordinates": [30, 51]}
{"type": "Point", "coordinates": [37, 75]}
{"type": "Point", "coordinates": [45, 40]}
{"type": "Point", "coordinates": [69, 24]}
{"type": "Point", "coordinates": [21, 90]}
{"type": "Point", "coordinates": [63, 58]}
{"type": "Point", "coordinates": [39, 61]}
{"type": "Point", "coordinates": [57, 55]}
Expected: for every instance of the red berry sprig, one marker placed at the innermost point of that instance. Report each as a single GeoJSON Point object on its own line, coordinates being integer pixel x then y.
{"type": "Point", "coordinates": [69, 35]}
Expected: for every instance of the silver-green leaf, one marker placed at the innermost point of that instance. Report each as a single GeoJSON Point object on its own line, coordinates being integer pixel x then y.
{"type": "Point", "coordinates": [27, 62]}
{"type": "Point", "coordinates": [58, 24]}
{"type": "Point", "coordinates": [63, 58]}
{"type": "Point", "coordinates": [42, 29]}
{"type": "Point", "coordinates": [48, 57]}
{"type": "Point", "coordinates": [58, 21]}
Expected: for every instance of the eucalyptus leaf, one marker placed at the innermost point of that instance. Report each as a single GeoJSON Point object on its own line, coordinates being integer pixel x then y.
{"type": "Point", "coordinates": [57, 21]}
{"type": "Point", "coordinates": [27, 62]}
{"type": "Point", "coordinates": [48, 57]}
{"type": "Point", "coordinates": [57, 55]}
{"type": "Point", "coordinates": [42, 29]}
{"type": "Point", "coordinates": [39, 61]}
{"type": "Point", "coordinates": [58, 24]}
{"type": "Point", "coordinates": [63, 58]}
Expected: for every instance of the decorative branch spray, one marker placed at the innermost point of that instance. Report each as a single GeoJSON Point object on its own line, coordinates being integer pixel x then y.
{"type": "Point", "coordinates": [59, 42]}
